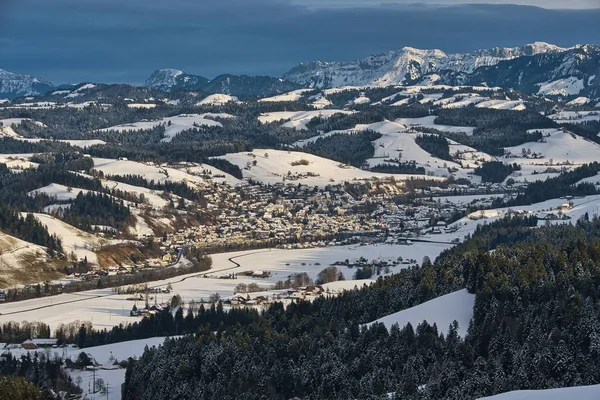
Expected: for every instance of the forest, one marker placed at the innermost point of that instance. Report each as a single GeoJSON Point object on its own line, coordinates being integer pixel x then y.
{"type": "Point", "coordinates": [353, 148]}
{"type": "Point", "coordinates": [495, 171]}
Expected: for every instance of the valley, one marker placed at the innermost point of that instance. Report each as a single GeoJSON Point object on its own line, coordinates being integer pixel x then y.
{"type": "Point", "coordinates": [413, 201]}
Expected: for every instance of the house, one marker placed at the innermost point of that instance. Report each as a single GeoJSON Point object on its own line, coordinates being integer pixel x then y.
{"type": "Point", "coordinates": [45, 343]}
{"type": "Point", "coordinates": [28, 345]}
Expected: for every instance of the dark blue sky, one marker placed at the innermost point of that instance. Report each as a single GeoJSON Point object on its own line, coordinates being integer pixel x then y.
{"type": "Point", "coordinates": [124, 40]}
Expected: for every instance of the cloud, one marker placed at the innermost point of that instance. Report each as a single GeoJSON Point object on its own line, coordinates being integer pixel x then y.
{"type": "Point", "coordinates": [123, 41]}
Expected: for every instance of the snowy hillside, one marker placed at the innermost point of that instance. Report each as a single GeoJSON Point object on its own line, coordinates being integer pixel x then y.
{"type": "Point", "coordinates": [217, 99]}
{"type": "Point", "coordinates": [276, 166]}
{"type": "Point", "coordinates": [297, 119]}
{"type": "Point", "coordinates": [173, 125]}
{"type": "Point", "coordinates": [578, 392]}
{"type": "Point", "coordinates": [441, 311]}
{"type": "Point", "coordinates": [294, 95]}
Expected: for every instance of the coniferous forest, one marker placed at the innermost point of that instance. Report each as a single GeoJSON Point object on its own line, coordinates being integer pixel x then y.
{"type": "Point", "coordinates": [535, 325]}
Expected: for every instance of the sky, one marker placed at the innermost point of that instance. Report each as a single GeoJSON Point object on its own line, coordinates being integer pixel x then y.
{"type": "Point", "coordinates": [114, 41]}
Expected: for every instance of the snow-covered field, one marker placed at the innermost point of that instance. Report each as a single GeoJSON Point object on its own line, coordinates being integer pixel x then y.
{"type": "Point", "coordinates": [467, 199]}
{"type": "Point", "coordinates": [18, 161]}
{"type": "Point", "coordinates": [581, 205]}
{"type": "Point", "coordinates": [273, 166]}
{"type": "Point", "coordinates": [152, 196]}
{"type": "Point", "coordinates": [442, 311]}
{"type": "Point", "coordinates": [61, 192]}
{"type": "Point", "coordinates": [557, 146]}
{"type": "Point", "coordinates": [577, 392]}
{"type": "Point", "coordinates": [141, 105]}
{"type": "Point", "coordinates": [105, 309]}
{"type": "Point", "coordinates": [217, 99]}
{"type": "Point", "coordinates": [18, 121]}
{"type": "Point", "coordinates": [429, 122]}
{"type": "Point", "coordinates": [173, 125]}
{"type": "Point", "coordinates": [298, 119]}
{"type": "Point", "coordinates": [362, 99]}
{"type": "Point", "coordinates": [575, 117]}
{"type": "Point", "coordinates": [398, 142]}
{"type": "Point", "coordinates": [294, 95]}
{"type": "Point", "coordinates": [320, 101]}
{"type": "Point", "coordinates": [159, 174]}
{"type": "Point", "coordinates": [561, 87]}
{"type": "Point", "coordinates": [579, 101]}
{"type": "Point", "coordinates": [73, 142]}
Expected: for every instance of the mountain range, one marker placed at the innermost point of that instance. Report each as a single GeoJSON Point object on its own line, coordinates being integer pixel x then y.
{"type": "Point", "coordinates": [15, 85]}
{"type": "Point", "coordinates": [537, 68]}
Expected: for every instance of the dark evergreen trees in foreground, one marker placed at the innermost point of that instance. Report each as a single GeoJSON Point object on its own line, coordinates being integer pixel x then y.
{"type": "Point", "coordinates": [535, 326]}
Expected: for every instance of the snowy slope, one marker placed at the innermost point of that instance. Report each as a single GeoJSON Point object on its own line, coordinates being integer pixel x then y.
{"type": "Point", "coordinates": [74, 240]}
{"type": "Point", "coordinates": [277, 168]}
{"type": "Point", "coordinates": [442, 311]}
{"type": "Point", "coordinates": [429, 122]}
{"type": "Point", "coordinates": [61, 192]}
{"type": "Point", "coordinates": [294, 95]}
{"type": "Point", "coordinates": [173, 125]}
{"type": "Point", "coordinates": [578, 392]}
{"type": "Point", "coordinates": [575, 117]}
{"type": "Point", "coordinates": [557, 145]}
{"type": "Point", "coordinates": [561, 87]}
{"type": "Point", "coordinates": [217, 99]}
{"type": "Point", "coordinates": [298, 119]}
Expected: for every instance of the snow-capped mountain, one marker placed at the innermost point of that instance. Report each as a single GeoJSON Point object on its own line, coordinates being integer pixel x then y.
{"type": "Point", "coordinates": [237, 85]}
{"type": "Point", "coordinates": [173, 79]}
{"type": "Point", "coordinates": [574, 72]}
{"type": "Point", "coordinates": [15, 85]}
{"type": "Point", "coordinates": [406, 66]}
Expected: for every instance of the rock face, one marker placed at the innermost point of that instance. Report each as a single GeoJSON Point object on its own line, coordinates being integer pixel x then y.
{"type": "Point", "coordinates": [14, 85]}
{"type": "Point", "coordinates": [407, 65]}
